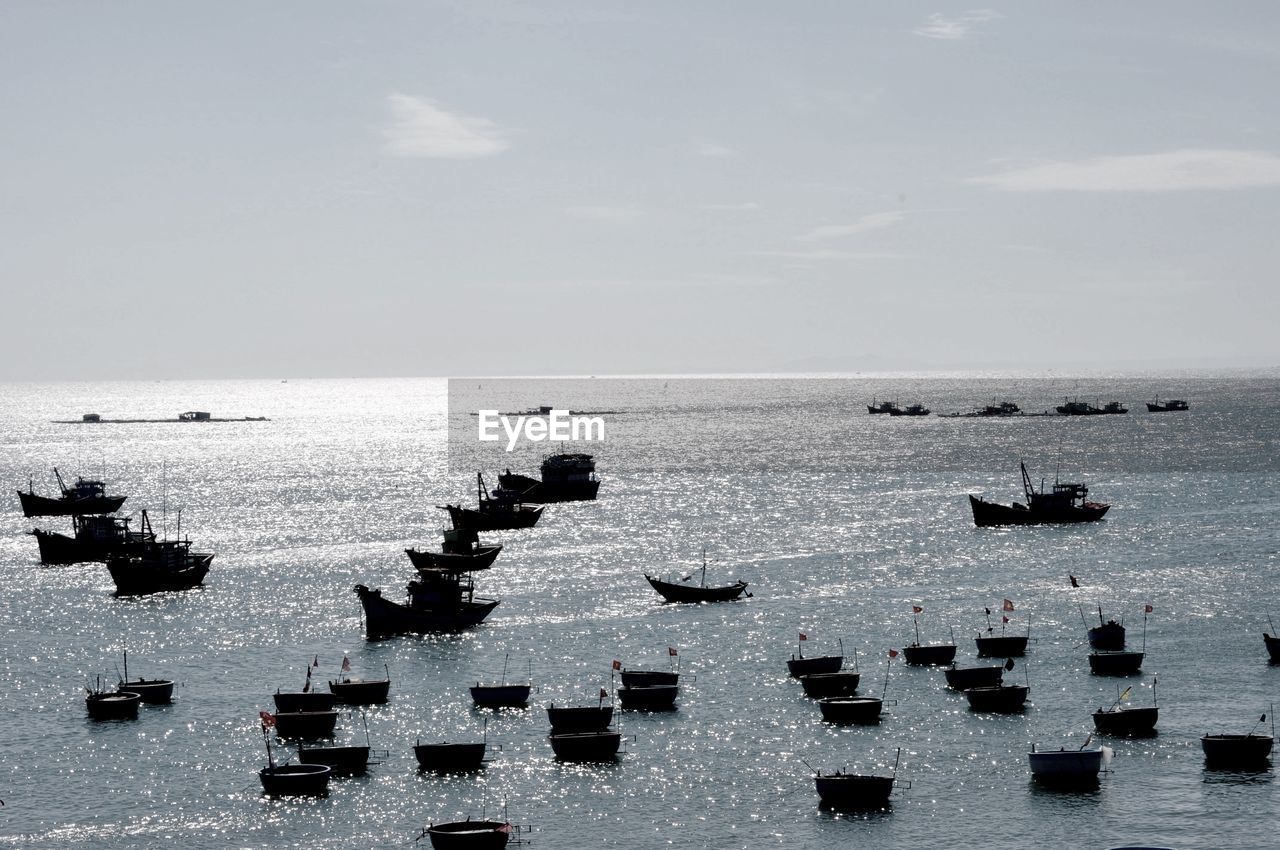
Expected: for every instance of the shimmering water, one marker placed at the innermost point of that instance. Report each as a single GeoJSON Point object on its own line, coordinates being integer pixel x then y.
{"type": "Point", "coordinates": [841, 521]}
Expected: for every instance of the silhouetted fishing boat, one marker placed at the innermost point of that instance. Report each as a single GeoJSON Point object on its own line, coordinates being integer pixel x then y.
{"type": "Point", "coordinates": [304, 701]}
{"type": "Point", "coordinates": [855, 791]}
{"type": "Point", "coordinates": [1001, 645]}
{"type": "Point", "coordinates": [1167, 406]}
{"type": "Point", "coordinates": [496, 511]}
{"type": "Point", "coordinates": [847, 710]}
{"type": "Point", "coordinates": [342, 761]}
{"type": "Point", "coordinates": [648, 697]}
{"type": "Point", "coordinates": [1115, 663]}
{"type": "Point", "coordinates": [351, 691]}
{"type": "Point", "coordinates": [296, 780]}
{"type": "Point", "coordinates": [820, 685]}
{"type": "Point", "coordinates": [84, 497]}
{"type": "Point", "coordinates": [461, 550]}
{"type": "Point", "coordinates": [565, 478]}
{"type": "Point", "coordinates": [799, 666]}
{"type": "Point", "coordinates": [673, 591]}
{"type": "Point", "coordinates": [442, 601]}
{"type": "Point", "coordinates": [1071, 407]}
{"type": "Point", "coordinates": [93, 537]}
{"type": "Point", "coordinates": [586, 746]}
{"type": "Point", "coordinates": [1237, 751]}
{"type": "Point", "coordinates": [306, 724]}
{"type": "Point", "coordinates": [1107, 635]}
{"type": "Point", "coordinates": [918, 654]}
{"type": "Point", "coordinates": [1119, 719]}
{"type": "Point", "coordinates": [588, 718]}
{"type": "Point", "coordinates": [152, 691]}
{"type": "Point", "coordinates": [157, 566]}
{"type": "Point", "coordinates": [910, 410]}
{"type": "Point", "coordinates": [648, 678]}
{"type": "Point", "coordinates": [963, 678]}
{"type": "Point", "coordinates": [1065, 503]}
{"type": "Point", "coordinates": [1000, 699]}
{"type": "Point", "coordinates": [503, 695]}
{"type": "Point", "coordinates": [881, 407]}
{"type": "Point", "coordinates": [1002, 408]}
{"type": "Point", "coordinates": [1273, 646]}
{"type": "Point", "coordinates": [111, 705]}
{"type": "Point", "coordinates": [1067, 768]}
{"type": "Point", "coordinates": [445, 757]}
{"type": "Point", "coordinates": [470, 835]}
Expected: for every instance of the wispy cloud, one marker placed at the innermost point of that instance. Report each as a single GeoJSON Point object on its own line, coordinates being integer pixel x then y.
{"type": "Point", "coordinates": [604, 212]}
{"type": "Point", "coordinates": [421, 128]}
{"type": "Point", "coordinates": [1171, 171]}
{"type": "Point", "coordinates": [953, 29]}
{"type": "Point", "coordinates": [874, 221]}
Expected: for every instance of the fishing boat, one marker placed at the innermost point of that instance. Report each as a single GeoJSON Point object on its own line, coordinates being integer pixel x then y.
{"type": "Point", "coordinates": [648, 697]}
{"type": "Point", "coordinates": [992, 645]}
{"type": "Point", "coordinates": [503, 695]}
{"type": "Point", "coordinates": [111, 705]}
{"type": "Point", "coordinates": [587, 718]}
{"type": "Point", "coordinates": [918, 654]}
{"type": "Point", "coordinates": [295, 780]}
{"type": "Point", "coordinates": [963, 678]}
{"type": "Point", "coordinates": [1120, 719]}
{"type": "Point", "coordinates": [673, 591]}
{"type": "Point", "coordinates": [460, 550]}
{"type": "Point", "coordinates": [910, 410]}
{"type": "Point", "coordinates": [1239, 752]}
{"type": "Point", "coordinates": [881, 407]}
{"type": "Point", "coordinates": [998, 699]}
{"type": "Point", "coordinates": [819, 685]}
{"type": "Point", "coordinates": [349, 691]}
{"type": "Point", "coordinates": [996, 409]}
{"type": "Point", "coordinates": [1071, 407]}
{"type": "Point", "coordinates": [593, 746]}
{"type": "Point", "coordinates": [1115, 663]}
{"type": "Point", "coordinates": [1068, 768]}
{"type": "Point", "coordinates": [856, 791]}
{"type": "Point", "coordinates": [447, 757]}
{"type": "Point", "coordinates": [304, 701]}
{"type": "Point", "coordinates": [851, 710]}
{"type": "Point", "coordinates": [94, 537]}
{"type": "Point", "coordinates": [470, 835]}
{"type": "Point", "coordinates": [341, 761]}
{"type": "Point", "coordinates": [1065, 503]}
{"type": "Point", "coordinates": [152, 691]}
{"type": "Point", "coordinates": [565, 478]}
{"type": "Point", "coordinates": [1167, 406]}
{"type": "Point", "coordinates": [799, 666]}
{"type": "Point", "coordinates": [306, 724]}
{"type": "Point", "coordinates": [158, 566]}
{"type": "Point", "coordinates": [648, 678]}
{"type": "Point", "coordinates": [441, 601]}
{"type": "Point", "coordinates": [1273, 647]}
{"type": "Point", "coordinates": [86, 496]}
{"type": "Point", "coordinates": [496, 511]}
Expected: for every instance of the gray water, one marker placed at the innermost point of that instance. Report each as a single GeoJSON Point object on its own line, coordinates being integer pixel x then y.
{"type": "Point", "coordinates": [839, 520]}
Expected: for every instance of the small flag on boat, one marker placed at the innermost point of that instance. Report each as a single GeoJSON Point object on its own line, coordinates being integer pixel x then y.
{"type": "Point", "coordinates": [803, 636]}
{"type": "Point", "coordinates": [1007, 606]}
{"type": "Point", "coordinates": [603, 693]}
{"type": "Point", "coordinates": [1005, 619]}
{"type": "Point", "coordinates": [346, 664]}
{"type": "Point", "coordinates": [268, 719]}
{"type": "Point", "coordinates": [916, 609]}
{"type": "Point", "coordinates": [1125, 694]}
{"type": "Point", "coordinates": [1075, 582]}
{"type": "Point", "coordinates": [893, 653]}
{"type": "Point", "coordinates": [1147, 609]}
{"type": "Point", "coordinates": [506, 827]}
{"type": "Point", "coordinates": [671, 650]}
{"type": "Point", "coordinates": [617, 665]}
{"type": "Point", "coordinates": [1008, 664]}
{"type": "Point", "coordinates": [988, 610]}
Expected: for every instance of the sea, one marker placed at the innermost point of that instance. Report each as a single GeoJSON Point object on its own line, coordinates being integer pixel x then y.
{"type": "Point", "coordinates": [840, 521]}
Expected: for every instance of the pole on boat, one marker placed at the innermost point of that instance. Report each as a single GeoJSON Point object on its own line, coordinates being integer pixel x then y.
{"type": "Point", "coordinates": [915, 618]}
{"type": "Point", "coordinates": [887, 666]}
{"type": "Point", "coordinates": [1083, 621]}
{"type": "Point", "coordinates": [840, 643]}
{"type": "Point", "coordinates": [364, 718]}
{"type": "Point", "coordinates": [896, 759]}
{"type": "Point", "coordinates": [855, 659]}
{"type": "Point", "coordinates": [505, 659]}
{"type": "Point", "coordinates": [1144, 628]}
{"type": "Point", "coordinates": [1154, 679]}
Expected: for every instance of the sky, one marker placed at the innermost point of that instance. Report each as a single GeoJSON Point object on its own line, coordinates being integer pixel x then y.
{"type": "Point", "coordinates": [339, 189]}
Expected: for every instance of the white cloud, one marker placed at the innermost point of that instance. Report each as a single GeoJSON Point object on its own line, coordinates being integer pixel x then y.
{"type": "Point", "coordinates": [941, 27]}
{"type": "Point", "coordinates": [874, 221]}
{"type": "Point", "coordinates": [1170, 171]}
{"type": "Point", "coordinates": [420, 128]}
{"type": "Point", "coordinates": [604, 212]}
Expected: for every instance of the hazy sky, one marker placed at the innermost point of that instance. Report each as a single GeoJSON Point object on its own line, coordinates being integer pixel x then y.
{"type": "Point", "coordinates": [431, 188]}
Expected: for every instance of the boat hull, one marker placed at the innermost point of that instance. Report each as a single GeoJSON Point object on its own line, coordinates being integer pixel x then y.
{"type": "Point", "coordinates": [449, 758]}
{"type": "Point", "coordinates": [987, 514]}
{"type": "Point", "coordinates": [548, 492]}
{"type": "Point", "coordinates": [470, 519]}
{"type": "Point", "coordinates": [579, 718]}
{"type": "Point", "coordinates": [998, 699]}
{"type": "Point", "coordinates": [1118, 663]}
{"type": "Point", "coordinates": [306, 724]}
{"type": "Point", "coordinates": [798, 667]}
{"type": "Point", "coordinates": [57, 549]}
{"type": "Point", "coordinates": [586, 746]}
{"type": "Point", "coordinates": [481, 559]}
{"type": "Point", "coordinates": [469, 835]}
{"type": "Point", "coordinates": [963, 678]}
{"type": "Point", "coordinates": [1002, 646]}
{"type": "Point", "coordinates": [501, 696]}
{"type": "Point", "coordinates": [1066, 768]}
{"type": "Point", "coordinates": [361, 691]}
{"type": "Point", "coordinates": [1273, 647]}
{"type": "Point", "coordinates": [648, 678]}
{"type": "Point", "coordinates": [929, 654]}
{"type": "Point", "coordinates": [342, 761]}
{"type": "Point", "coordinates": [310, 701]}
{"type": "Point", "coordinates": [296, 780]}
{"type": "Point", "coordinates": [137, 577]}
{"type": "Point", "coordinates": [819, 685]}
{"type": "Point", "coordinates": [650, 698]}
{"type": "Point", "coordinates": [1127, 721]}
{"type": "Point", "coordinates": [384, 618]}
{"type": "Point", "coordinates": [862, 711]}
{"type": "Point", "coordinates": [151, 691]}
{"type": "Point", "coordinates": [1242, 752]}
{"type": "Point", "coordinates": [33, 505]}
{"type": "Point", "coordinates": [121, 705]}
{"type": "Point", "coordinates": [684, 593]}
{"type": "Point", "coordinates": [851, 791]}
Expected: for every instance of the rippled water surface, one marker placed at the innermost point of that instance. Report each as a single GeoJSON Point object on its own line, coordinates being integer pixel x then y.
{"type": "Point", "coordinates": [841, 522]}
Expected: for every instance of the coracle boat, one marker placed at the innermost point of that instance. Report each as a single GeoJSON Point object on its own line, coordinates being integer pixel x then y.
{"type": "Point", "coordinates": [1068, 768]}
{"type": "Point", "coordinates": [1239, 752]}
{"type": "Point", "coordinates": [151, 691]}
{"type": "Point", "coordinates": [565, 478]}
{"type": "Point", "coordinates": [84, 497]}
{"type": "Point", "coordinates": [963, 678]}
{"type": "Point", "coordinates": [918, 654]}
{"type": "Point", "coordinates": [158, 566]}
{"type": "Point", "coordinates": [649, 697]}
{"type": "Point", "coordinates": [295, 780]}
{"type": "Point", "coordinates": [306, 725]}
{"type": "Point", "coordinates": [586, 746]}
{"type": "Point", "coordinates": [469, 835]}
{"type": "Point", "coordinates": [855, 791]}
{"type": "Point", "coordinates": [648, 678]}
{"type": "Point", "coordinates": [461, 550]}
{"type": "Point", "coordinates": [111, 705]}
{"type": "Point", "coordinates": [342, 761]}
{"type": "Point", "coordinates": [998, 699]}
{"type": "Point", "coordinates": [673, 591]}
{"type": "Point", "coordinates": [819, 685]}
{"type": "Point", "coordinates": [304, 701]}
{"type": "Point", "coordinates": [1001, 645]}
{"type": "Point", "coordinates": [1065, 503]}
{"type": "Point", "coordinates": [442, 601]}
{"type": "Point", "coordinates": [1115, 663]}
{"type": "Point", "coordinates": [1167, 406]}
{"type": "Point", "coordinates": [496, 511]}
{"type": "Point", "coordinates": [1108, 636]}
{"type": "Point", "coordinates": [588, 718]}
{"type": "Point", "coordinates": [1119, 719]}
{"type": "Point", "coordinates": [503, 695]}
{"type": "Point", "coordinates": [445, 757]}
{"type": "Point", "coordinates": [799, 666]}
{"type": "Point", "coordinates": [94, 537]}
{"type": "Point", "coordinates": [851, 710]}
{"type": "Point", "coordinates": [349, 691]}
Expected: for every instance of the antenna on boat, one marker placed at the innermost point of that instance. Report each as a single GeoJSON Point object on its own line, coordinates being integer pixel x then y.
{"type": "Point", "coordinates": [505, 659]}
{"type": "Point", "coordinates": [888, 665]}
{"type": "Point", "coordinates": [364, 718]}
{"type": "Point", "coordinates": [915, 618]}
{"type": "Point", "coordinates": [855, 659]}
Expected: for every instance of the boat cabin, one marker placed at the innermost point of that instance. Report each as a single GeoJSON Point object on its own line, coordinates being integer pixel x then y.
{"type": "Point", "coordinates": [194, 416]}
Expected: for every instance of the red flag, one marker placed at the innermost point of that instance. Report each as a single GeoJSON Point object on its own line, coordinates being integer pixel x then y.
{"type": "Point", "coordinates": [803, 636]}
{"type": "Point", "coordinates": [1075, 582]}
{"type": "Point", "coordinates": [1147, 609]}
{"type": "Point", "coordinates": [893, 653]}
{"type": "Point", "coordinates": [268, 719]}
{"type": "Point", "coordinates": [603, 693]}
{"type": "Point", "coordinates": [916, 609]}
{"type": "Point", "coordinates": [1008, 605]}
{"type": "Point", "coordinates": [346, 664]}
{"type": "Point", "coordinates": [506, 827]}
{"type": "Point", "coordinates": [617, 665]}
{"type": "Point", "coordinates": [671, 650]}
{"type": "Point", "coordinates": [1006, 619]}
